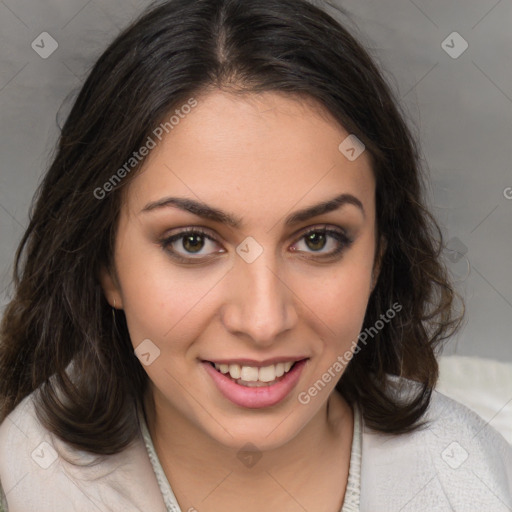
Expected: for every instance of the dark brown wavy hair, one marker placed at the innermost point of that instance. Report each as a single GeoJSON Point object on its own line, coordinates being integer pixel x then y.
{"type": "Point", "coordinates": [178, 49]}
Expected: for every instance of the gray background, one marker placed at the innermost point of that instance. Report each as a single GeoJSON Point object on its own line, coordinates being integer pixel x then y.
{"type": "Point", "coordinates": [460, 109]}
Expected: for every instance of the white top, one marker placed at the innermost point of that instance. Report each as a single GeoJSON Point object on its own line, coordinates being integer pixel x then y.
{"type": "Point", "coordinates": [456, 463]}
{"type": "Point", "coordinates": [350, 503]}
{"type": "Point", "coordinates": [483, 385]}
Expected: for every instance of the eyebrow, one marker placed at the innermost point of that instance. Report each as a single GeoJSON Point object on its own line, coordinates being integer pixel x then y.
{"type": "Point", "coordinates": [208, 212]}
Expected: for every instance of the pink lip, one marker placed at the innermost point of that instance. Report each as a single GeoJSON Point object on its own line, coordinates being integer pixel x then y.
{"type": "Point", "coordinates": [258, 364]}
{"type": "Point", "coordinates": [255, 398]}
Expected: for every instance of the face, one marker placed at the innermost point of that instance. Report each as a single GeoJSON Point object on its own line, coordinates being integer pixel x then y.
{"type": "Point", "coordinates": [245, 249]}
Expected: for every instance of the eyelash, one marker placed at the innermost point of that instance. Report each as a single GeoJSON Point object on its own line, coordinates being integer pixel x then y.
{"type": "Point", "coordinates": [344, 242]}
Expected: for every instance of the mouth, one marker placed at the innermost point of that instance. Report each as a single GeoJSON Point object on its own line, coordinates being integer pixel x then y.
{"type": "Point", "coordinates": [254, 376]}
{"type": "Point", "coordinates": [253, 384]}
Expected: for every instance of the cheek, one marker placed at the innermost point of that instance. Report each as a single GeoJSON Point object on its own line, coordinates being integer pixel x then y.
{"type": "Point", "coordinates": [166, 307]}
{"type": "Point", "coordinates": [339, 301]}
{"type": "Point", "coordinates": [342, 303]}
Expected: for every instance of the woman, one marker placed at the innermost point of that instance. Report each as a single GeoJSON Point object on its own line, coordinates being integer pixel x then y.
{"type": "Point", "coordinates": [230, 293]}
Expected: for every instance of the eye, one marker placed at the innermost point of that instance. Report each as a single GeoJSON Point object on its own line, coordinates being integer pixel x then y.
{"type": "Point", "coordinates": [190, 244]}
{"type": "Point", "coordinates": [322, 242]}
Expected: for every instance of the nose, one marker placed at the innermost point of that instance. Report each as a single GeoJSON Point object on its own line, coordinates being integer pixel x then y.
{"type": "Point", "coordinates": [261, 302]}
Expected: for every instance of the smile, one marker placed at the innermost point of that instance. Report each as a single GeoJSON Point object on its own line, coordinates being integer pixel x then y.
{"type": "Point", "coordinates": [254, 386]}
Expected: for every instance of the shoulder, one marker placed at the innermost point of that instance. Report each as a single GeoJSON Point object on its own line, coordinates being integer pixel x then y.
{"type": "Point", "coordinates": [38, 471]}
{"type": "Point", "coordinates": [456, 460]}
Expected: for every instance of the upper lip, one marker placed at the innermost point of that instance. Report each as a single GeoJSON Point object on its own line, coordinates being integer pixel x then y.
{"type": "Point", "coordinates": [258, 364]}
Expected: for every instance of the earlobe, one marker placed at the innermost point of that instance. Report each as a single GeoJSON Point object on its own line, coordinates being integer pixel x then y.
{"type": "Point", "coordinates": [110, 288]}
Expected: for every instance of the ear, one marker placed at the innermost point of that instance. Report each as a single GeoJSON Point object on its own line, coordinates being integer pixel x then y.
{"type": "Point", "coordinates": [110, 286]}
{"type": "Point", "coordinates": [377, 265]}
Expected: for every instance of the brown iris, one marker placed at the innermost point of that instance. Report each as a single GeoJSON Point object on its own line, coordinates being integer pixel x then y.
{"type": "Point", "coordinates": [193, 243]}
{"type": "Point", "coordinates": [315, 241]}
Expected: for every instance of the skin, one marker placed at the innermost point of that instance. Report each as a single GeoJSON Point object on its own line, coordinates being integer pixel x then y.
{"type": "Point", "coordinates": [260, 158]}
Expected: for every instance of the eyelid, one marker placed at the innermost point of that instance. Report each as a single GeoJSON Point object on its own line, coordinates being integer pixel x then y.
{"type": "Point", "coordinates": [322, 227]}
{"type": "Point", "coordinates": [176, 233]}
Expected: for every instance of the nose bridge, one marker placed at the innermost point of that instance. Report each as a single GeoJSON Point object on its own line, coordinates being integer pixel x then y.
{"type": "Point", "coordinates": [262, 306]}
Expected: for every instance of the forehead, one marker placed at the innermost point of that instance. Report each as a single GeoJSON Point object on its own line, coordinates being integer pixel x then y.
{"type": "Point", "coordinates": [263, 151]}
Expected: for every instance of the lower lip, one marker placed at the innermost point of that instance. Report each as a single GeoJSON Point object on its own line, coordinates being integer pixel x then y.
{"type": "Point", "coordinates": [257, 397]}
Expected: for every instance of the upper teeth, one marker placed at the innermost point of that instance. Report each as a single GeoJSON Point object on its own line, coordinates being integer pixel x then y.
{"type": "Point", "coordinates": [253, 373]}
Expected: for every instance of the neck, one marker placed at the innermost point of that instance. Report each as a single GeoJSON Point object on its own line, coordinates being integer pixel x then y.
{"type": "Point", "coordinates": [180, 444]}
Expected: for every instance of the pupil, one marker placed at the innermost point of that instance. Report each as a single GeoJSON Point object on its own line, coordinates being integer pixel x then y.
{"type": "Point", "coordinates": [193, 243]}
{"type": "Point", "coordinates": [316, 241]}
